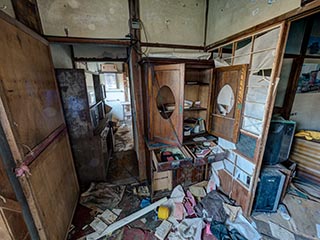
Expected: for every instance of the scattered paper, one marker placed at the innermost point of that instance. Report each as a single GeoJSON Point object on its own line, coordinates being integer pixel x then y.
{"type": "Point", "coordinates": [108, 216]}
{"type": "Point", "coordinates": [163, 230]}
{"type": "Point", "coordinates": [280, 233]}
{"type": "Point", "coordinates": [98, 225]}
{"type": "Point", "coordinates": [197, 191]}
{"type": "Point", "coordinates": [242, 225]}
{"type": "Point", "coordinates": [189, 228]}
{"type": "Point", "coordinates": [199, 139]}
{"type": "Point", "coordinates": [177, 194]}
{"type": "Point", "coordinates": [232, 211]}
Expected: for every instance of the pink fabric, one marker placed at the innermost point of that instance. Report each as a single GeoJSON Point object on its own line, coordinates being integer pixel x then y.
{"type": "Point", "coordinates": [178, 212]}
{"type": "Point", "coordinates": [22, 170]}
{"type": "Point", "coordinates": [189, 204]}
{"type": "Point", "coordinates": [208, 231]}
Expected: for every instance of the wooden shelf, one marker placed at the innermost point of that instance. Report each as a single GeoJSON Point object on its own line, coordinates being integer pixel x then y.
{"type": "Point", "coordinates": [195, 109]}
{"type": "Point", "coordinates": [196, 83]}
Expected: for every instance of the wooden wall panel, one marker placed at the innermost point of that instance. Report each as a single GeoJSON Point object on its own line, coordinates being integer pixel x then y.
{"type": "Point", "coordinates": [241, 194]}
{"type": "Point", "coordinates": [53, 186]}
{"type": "Point", "coordinates": [28, 86]}
{"type": "Point", "coordinates": [32, 119]}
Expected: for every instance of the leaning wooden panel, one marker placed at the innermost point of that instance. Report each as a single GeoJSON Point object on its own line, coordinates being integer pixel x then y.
{"type": "Point", "coordinates": [27, 86]}
{"type": "Point", "coordinates": [54, 187]}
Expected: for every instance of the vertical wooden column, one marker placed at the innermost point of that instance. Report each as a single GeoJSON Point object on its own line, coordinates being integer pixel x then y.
{"type": "Point", "coordinates": [136, 88]}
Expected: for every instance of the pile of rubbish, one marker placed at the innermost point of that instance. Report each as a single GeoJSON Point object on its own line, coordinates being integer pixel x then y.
{"type": "Point", "coordinates": [191, 213]}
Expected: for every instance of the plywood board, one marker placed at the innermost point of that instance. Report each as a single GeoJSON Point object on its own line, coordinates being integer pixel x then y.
{"type": "Point", "coordinates": [54, 187]}
{"type": "Point", "coordinates": [28, 86]}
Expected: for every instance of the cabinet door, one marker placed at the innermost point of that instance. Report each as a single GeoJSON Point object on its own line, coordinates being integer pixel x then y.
{"type": "Point", "coordinates": [226, 101]}
{"type": "Point", "coordinates": [165, 100]}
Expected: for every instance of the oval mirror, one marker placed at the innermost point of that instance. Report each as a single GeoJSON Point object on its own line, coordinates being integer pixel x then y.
{"type": "Point", "coordinates": [165, 102]}
{"type": "Point", "coordinates": [225, 100]}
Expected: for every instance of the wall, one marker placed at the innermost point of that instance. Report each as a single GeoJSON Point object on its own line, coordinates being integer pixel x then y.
{"type": "Point", "coordinates": [94, 18]}
{"type": "Point", "coordinates": [226, 18]}
{"type": "Point", "coordinates": [306, 110]}
{"type": "Point", "coordinates": [175, 22]}
{"type": "Point", "coordinates": [6, 6]}
{"type": "Point", "coordinates": [61, 55]}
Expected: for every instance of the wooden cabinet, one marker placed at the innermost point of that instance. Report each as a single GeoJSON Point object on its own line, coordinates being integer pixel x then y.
{"type": "Point", "coordinates": [178, 97]}
{"type": "Point", "coordinates": [189, 99]}
{"type": "Point", "coordinates": [88, 125]}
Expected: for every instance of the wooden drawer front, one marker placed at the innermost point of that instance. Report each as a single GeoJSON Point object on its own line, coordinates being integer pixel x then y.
{"type": "Point", "coordinates": [162, 181]}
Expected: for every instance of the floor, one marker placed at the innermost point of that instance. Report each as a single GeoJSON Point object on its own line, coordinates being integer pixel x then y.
{"type": "Point", "coordinates": [124, 137]}
{"type": "Point", "coordinates": [120, 193]}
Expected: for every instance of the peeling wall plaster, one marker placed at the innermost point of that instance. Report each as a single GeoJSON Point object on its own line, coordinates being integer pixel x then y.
{"type": "Point", "coordinates": [83, 18]}
{"type": "Point", "coordinates": [6, 6]}
{"type": "Point", "coordinates": [226, 18]}
{"type": "Point", "coordinates": [173, 21]}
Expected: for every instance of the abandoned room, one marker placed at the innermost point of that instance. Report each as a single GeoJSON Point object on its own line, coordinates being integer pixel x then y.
{"type": "Point", "coordinates": [159, 119]}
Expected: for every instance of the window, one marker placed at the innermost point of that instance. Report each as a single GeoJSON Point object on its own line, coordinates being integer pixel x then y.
{"type": "Point", "coordinates": [111, 81]}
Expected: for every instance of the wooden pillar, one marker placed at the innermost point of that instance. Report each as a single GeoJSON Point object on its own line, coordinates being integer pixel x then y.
{"type": "Point", "coordinates": [136, 88]}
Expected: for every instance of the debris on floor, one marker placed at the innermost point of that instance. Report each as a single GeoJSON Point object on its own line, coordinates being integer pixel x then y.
{"type": "Point", "coordinates": [194, 213]}
{"type": "Point", "coordinates": [124, 137]}
{"type": "Point", "coordinates": [101, 196]}
{"type": "Point", "coordinates": [304, 217]}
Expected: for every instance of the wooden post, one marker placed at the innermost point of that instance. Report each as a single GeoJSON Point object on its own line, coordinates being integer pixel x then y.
{"type": "Point", "coordinates": [136, 88]}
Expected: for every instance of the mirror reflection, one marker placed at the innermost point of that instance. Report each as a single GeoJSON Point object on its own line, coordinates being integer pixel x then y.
{"type": "Point", "coordinates": [165, 102]}
{"type": "Point", "coordinates": [225, 100]}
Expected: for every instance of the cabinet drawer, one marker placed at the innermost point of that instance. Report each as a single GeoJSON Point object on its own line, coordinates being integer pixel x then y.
{"type": "Point", "coordinates": [211, 157]}
{"type": "Point", "coordinates": [162, 181]}
{"type": "Point", "coordinates": [169, 158]}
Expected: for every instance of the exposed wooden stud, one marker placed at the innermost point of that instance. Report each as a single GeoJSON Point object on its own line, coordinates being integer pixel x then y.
{"type": "Point", "coordinates": [296, 71]}
{"type": "Point", "coordinates": [167, 45]}
{"type": "Point", "coordinates": [120, 42]}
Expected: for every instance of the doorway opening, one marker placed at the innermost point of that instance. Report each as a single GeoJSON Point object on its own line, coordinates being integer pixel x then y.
{"type": "Point", "coordinates": [116, 91]}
